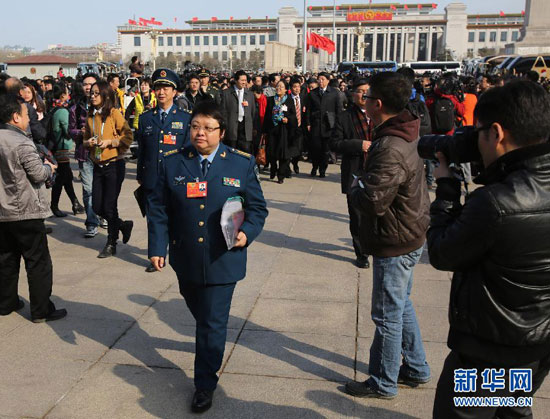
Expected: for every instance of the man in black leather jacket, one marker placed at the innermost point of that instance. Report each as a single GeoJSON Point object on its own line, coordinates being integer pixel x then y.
{"type": "Point", "coordinates": [498, 246]}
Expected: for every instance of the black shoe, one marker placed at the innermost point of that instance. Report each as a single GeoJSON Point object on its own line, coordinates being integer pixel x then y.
{"type": "Point", "coordinates": [49, 230]}
{"type": "Point", "coordinates": [313, 172]}
{"type": "Point", "coordinates": [296, 169]}
{"type": "Point", "coordinates": [77, 208]}
{"type": "Point", "coordinates": [410, 381]}
{"type": "Point", "coordinates": [362, 389]}
{"type": "Point", "coordinates": [272, 174]}
{"type": "Point", "coordinates": [322, 175]}
{"type": "Point", "coordinates": [108, 250]}
{"type": "Point", "coordinates": [202, 401]}
{"type": "Point", "coordinates": [126, 230]}
{"type": "Point", "coordinates": [150, 268]}
{"type": "Point", "coordinates": [54, 315]}
{"type": "Point", "coordinates": [57, 212]}
{"type": "Point", "coordinates": [281, 181]}
{"type": "Point", "coordinates": [362, 262]}
{"type": "Point", "coordinates": [289, 176]}
{"type": "Point", "coordinates": [20, 305]}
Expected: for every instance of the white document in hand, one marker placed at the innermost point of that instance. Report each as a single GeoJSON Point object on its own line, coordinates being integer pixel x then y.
{"type": "Point", "coordinates": [232, 219]}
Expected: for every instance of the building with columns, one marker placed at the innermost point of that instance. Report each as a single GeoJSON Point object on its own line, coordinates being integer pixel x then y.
{"type": "Point", "coordinates": [367, 32]}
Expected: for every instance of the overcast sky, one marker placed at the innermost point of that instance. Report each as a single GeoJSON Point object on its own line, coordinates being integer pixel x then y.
{"type": "Point", "coordinates": [38, 23]}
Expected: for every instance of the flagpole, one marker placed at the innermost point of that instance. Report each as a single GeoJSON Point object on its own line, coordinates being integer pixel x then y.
{"type": "Point", "coordinates": [305, 39]}
{"type": "Point", "coordinates": [334, 34]}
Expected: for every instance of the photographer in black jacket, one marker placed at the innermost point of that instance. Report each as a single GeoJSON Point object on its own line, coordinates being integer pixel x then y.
{"type": "Point", "coordinates": [498, 246]}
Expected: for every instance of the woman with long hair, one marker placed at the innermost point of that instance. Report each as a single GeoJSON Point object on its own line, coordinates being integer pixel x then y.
{"type": "Point", "coordinates": [30, 96]}
{"type": "Point", "coordinates": [108, 136]}
{"type": "Point", "coordinates": [280, 123]}
{"type": "Point", "coordinates": [62, 146]}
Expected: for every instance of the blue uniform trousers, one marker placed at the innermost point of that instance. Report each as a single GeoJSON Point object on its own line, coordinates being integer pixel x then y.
{"type": "Point", "coordinates": [210, 306]}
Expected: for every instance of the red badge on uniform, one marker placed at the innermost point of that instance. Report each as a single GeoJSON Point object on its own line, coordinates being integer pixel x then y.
{"type": "Point", "coordinates": [169, 139]}
{"type": "Point", "coordinates": [196, 189]}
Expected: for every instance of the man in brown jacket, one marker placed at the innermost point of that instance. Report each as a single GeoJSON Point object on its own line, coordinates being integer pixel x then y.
{"type": "Point", "coordinates": [393, 197]}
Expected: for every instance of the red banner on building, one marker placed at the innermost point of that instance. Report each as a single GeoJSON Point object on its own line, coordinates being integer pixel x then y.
{"type": "Point", "coordinates": [369, 15]}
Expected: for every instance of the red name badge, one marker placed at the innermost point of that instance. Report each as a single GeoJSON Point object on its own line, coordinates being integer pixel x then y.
{"type": "Point", "coordinates": [196, 189]}
{"type": "Point", "coordinates": [170, 139]}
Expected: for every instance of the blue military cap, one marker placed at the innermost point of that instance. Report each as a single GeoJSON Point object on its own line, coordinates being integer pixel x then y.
{"type": "Point", "coordinates": [165, 76]}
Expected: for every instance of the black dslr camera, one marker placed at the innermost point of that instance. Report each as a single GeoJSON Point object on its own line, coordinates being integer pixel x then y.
{"type": "Point", "coordinates": [458, 148]}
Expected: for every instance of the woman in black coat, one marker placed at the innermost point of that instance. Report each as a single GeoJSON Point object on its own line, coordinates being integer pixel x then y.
{"type": "Point", "coordinates": [280, 124]}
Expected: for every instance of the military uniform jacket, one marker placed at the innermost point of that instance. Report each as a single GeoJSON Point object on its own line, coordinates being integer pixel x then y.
{"type": "Point", "coordinates": [191, 226]}
{"type": "Point", "coordinates": [155, 140]}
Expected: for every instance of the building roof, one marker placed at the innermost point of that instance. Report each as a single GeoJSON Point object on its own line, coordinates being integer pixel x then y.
{"type": "Point", "coordinates": [42, 59]}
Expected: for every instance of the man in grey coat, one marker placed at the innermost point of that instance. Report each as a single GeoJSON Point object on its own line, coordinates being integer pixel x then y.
{"type": "Point", "coordinates": [238, 107]}
{"type": "Point", "coordinates": [23, 207]}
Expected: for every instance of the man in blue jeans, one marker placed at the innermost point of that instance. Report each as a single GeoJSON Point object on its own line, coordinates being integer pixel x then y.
{"type": "Point", "coordinates": [78, 113]}
{"type": "Point", "coordinates": [392, 196]}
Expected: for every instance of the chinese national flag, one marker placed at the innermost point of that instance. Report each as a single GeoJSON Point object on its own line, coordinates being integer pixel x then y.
{"type": "Point", "coordinates": [502, 14]}
{"type": "Point", "coordinates": [132, 22]}
{"type": "Point", "coordinates": [419, 6]}
{"type": "Point", "coordinates": [320, 42]}
{"type": "Point", "coordinates": [337, 7]}
{"type": "Point", "coordinates": [195, 19]}
{"type": "Point", "coordinates": [406, 7]}
{"type": "Point", "coordinates": [523, 12]}
{"type": "Point", "coordinates": [434, 6]}
{"type": "Point", "coordinates": [393, 7]}
{"type": "Point", "coordinates": [214, 19]}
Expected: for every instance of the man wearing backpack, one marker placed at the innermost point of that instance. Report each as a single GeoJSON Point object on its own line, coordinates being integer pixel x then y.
{"type": "Point", "coordinates": [444, 107]}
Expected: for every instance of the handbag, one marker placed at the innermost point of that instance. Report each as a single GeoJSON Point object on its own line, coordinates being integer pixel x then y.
{"type": "Point", "coordinates": [261, 158]}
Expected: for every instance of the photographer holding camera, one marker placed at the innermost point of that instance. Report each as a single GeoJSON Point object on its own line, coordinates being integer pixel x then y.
{"type": "Point", "coordinates": [23, 207]}
{"type": "Point", "coordinates": [498, 246]}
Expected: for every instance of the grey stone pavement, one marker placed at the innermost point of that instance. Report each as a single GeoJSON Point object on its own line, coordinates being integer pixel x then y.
{"type": "Point", "coordinates": [299, 328]}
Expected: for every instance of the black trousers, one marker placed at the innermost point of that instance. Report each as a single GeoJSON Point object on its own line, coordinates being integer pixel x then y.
{"type": "Point", "coordinates": [279, 168]}
{"type": "Point", "coordinates": [106, 188]}
{"type": "Point", "coordinates": [444, 404]}
{"type": "Point", "coordinates": [319, 151]}
{"type": "Point", "coordinates": [210, 307]}
{"type": "Point", "coordinates": [241, 143]}
{"type": "Point", "coordinates": [63, 179]}
{"type": "Point", "coordinates": [355, 227]}
{"type": "Point", "coordinates": [25, 239]}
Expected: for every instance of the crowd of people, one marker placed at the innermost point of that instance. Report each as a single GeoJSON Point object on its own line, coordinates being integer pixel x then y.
{"type": "Point", "coordinates": [195, 129]}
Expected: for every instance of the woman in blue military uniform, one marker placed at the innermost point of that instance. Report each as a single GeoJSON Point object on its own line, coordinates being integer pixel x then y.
{"type": "Point", "coordinates": [184, 212]}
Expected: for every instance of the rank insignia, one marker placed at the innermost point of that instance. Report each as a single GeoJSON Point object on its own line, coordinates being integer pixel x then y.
{"type": "Point", "coordinates": [179, 180]}
{"type": "Point", "coordinates": [163, 73]}
{"type": "Point", "coordinates": [191, 155]}
{"type": "Point", "coordinates": [177, 125]}
{"type": "Point", "coordinates": [228, 181]}
{"type": "Point", "coordinates": [223, 155]}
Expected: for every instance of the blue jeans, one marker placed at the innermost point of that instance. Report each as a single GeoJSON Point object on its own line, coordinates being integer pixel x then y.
{"type": "Point", "coordinates": [87, 176]}
{"type": "Point", "coordinates": [397, 333]}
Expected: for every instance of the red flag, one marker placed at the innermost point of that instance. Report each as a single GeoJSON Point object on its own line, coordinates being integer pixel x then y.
{"type": "Point", "coordinates": [502, 14]}
{"type": "Point", "coordinates": [337, 7]}
{"type": "Point", "coordinates": [419, 6]}
{"type": "Point", "coordinates": [349, 8]}
{"type": "Point", "coordinates": [143, 22]}
{"type": "Point", "coordinates": [176, 19]}
{"type": "Point", "coordinates": [393, 7]}
{"type": "Point", "coordinates": [249, 18]}
{"type": "Point", "coordinates": [523, 12]}
{"type": "Point", "coordinates": [434, 6]}
{"type": "Point", "coordinates": [323, 8]}
{"type": "Point", "coordinates": [321, 42]}
{"type": "Point", "coordinates": [132, 22]}
{"type": "Point", "coordinates": [214, 19]}
{"type": "Point", "coordinates": [195, 19]}
{"type": "Point", "coordinates": [230, 17]}
{"type": "Point", "coordinates": [310, 8]}
{"type": "Point", "coordinates": [406, 7]}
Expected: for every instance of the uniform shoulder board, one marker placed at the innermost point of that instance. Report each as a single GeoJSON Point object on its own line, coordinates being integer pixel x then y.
{"type": "Point", "coordinates": [184, 110]}
{"type": "Point", "coordinates": [148, 112]}
{"type": "Point", "coordinates": [241, 153]}
{"type": "Point", "coordinates": [172, 152]}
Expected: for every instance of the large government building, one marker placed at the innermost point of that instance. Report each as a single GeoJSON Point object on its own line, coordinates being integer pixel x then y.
{"type": "Point", "coordinates": [378, 31]}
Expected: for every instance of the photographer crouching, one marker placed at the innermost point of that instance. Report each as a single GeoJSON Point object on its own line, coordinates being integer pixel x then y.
{"type": "Point", "coordinates": [23, 207]}
{"type": "Point", "coordinates": [498, 246]}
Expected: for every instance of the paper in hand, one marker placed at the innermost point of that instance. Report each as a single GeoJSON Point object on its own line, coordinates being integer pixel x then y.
{"type": "Point", "coordinates": [232, 219]}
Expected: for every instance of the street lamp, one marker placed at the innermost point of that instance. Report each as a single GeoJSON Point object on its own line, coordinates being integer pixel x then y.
{"type": "Point", "coordinates": [230, 48]}
{"type": "Point", "coordinates": [360, 31]}
{"type": "Point", "coordinates": [154, 34]}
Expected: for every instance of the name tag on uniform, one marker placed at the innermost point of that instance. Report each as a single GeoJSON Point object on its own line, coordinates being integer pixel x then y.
{"type": "Point", "coordinates": [169, 139]}
{"type": "Point", "coordinates": [196, 189]}
{"type": "Point", "coordinates": [177, 125]}
{"type": "Point", "coordinates": [228, 181]}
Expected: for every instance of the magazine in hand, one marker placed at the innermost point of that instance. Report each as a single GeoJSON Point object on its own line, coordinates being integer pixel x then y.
{"type": "Point", "coordinates": [232, 219]}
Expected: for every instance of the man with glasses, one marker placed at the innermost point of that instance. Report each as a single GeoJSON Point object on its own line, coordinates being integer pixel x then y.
{"type": "Point", "coordinates": [394, 204]}
{"type": "Point", "coordinates": [351, 137]}
{"type": "Point", "coordinates": [162, 130]}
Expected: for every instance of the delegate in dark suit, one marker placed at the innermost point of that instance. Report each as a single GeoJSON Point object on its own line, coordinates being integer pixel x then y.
{"type": "Point", "coordinates": [156, 138]}
{"type": "Point", "coordinates": [282, 140]}
{"type": "Point", "coordinates": [348, 137]}
{"type": "Point", "coordinates": [321, 111]}
{"type": "Point", "coordinates": [239, 134]}
{"type": "Point", "coordinates": [207, 271]}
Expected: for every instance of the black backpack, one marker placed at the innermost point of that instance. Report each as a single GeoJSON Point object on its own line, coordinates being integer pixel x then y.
{"type": "Point", "coordinates": [443, 115]}
{"type": "Point", "coordinates": [47, 123]}
{"type": "Point", "coordinates": [418, 108]}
